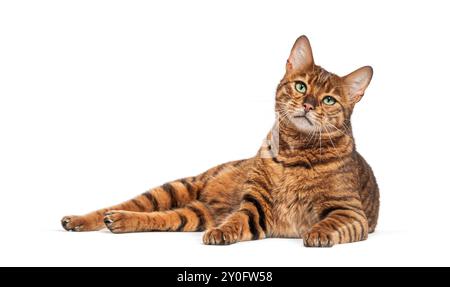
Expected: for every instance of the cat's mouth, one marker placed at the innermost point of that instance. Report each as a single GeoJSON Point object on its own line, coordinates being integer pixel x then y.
{"type": "Point", "coordinates": [304, 117]}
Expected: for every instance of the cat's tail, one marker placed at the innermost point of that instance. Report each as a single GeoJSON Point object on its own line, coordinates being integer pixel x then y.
{"type": "Point", "coordinates": [171, 195]}
{"type": "Point", "coordinates": [178, 193]}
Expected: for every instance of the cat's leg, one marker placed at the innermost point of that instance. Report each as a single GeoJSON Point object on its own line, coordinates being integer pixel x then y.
{"type": "Point", "coordinates": [251, 221]}
{"type": "Point", "coordinates": [170, 195]}
{"type": "Point", "coordinates": [195, 216]}
{"type": "Point", "coordinates": [339, 224]}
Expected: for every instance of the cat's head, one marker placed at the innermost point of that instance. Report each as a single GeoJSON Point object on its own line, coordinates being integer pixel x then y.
{"type": "Point", "coordinates": [312, 99]}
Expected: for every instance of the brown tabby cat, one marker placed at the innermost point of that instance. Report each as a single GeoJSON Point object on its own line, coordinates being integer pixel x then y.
{"type": "Point", "coordinates": [306, 181]}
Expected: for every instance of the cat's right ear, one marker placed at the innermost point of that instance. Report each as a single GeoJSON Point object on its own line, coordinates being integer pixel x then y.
{"type": "Point", "coordinates": [301, 58]}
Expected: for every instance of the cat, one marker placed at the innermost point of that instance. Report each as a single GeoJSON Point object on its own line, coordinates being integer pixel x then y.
{"type": "Point", "coordinates": [306, 181]}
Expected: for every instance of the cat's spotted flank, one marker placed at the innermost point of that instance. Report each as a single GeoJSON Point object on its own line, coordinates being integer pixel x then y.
{"type": "Point", "coordinates": [307, 180]}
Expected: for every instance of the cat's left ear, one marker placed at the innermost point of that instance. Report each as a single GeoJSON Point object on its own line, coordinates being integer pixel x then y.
{"type": "Point", "coordinates": [356, 83]}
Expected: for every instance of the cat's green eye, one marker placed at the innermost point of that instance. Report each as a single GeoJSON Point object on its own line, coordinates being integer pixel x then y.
{"type": "Point", "coordinates": [300, 87]}
{"type": "Point", "coordinates": [329, 100]}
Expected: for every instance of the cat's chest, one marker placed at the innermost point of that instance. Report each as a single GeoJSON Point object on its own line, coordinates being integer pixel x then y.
{"type": "Point", "coordinates": [293, 206]}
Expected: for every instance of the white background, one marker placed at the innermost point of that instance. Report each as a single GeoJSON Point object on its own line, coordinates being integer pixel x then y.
{"type": "Point", "coordinates": [101, 100]}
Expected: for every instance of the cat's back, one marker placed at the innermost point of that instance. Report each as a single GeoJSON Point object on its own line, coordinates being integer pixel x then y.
{"type": "Point", "coordinates": [368, 190]}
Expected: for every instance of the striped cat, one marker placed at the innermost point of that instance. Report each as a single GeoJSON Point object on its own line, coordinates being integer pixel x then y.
{"type": "Point", "coordinates": [306, 181]}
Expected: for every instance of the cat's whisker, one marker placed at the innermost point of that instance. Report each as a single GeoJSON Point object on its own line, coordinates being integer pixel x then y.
{"type": "Point", "coordinates": [334, 146]}
{"type": "Point", "coordinates": [339, 130]}
{"type": "Point", "coordinates": [313, 133]}
{"type": "Point", "coordinates": [283, 114]}
{"type": "Point", "coordinates": [320, 143]}
{"type": "Point", "coordinates": [347, 128]}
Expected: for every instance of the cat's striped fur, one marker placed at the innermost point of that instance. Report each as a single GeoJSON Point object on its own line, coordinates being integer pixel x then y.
{"type": "Point", "coordinates": [305, 181]}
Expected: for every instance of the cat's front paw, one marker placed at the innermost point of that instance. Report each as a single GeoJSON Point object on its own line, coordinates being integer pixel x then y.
{"type": "Point", "coordinates": [220, 236]}
{"type": "Point", "coordinates": [119, 221]}
{"type": "Point", "coordinates": [318, 238]}
{"type": "Point", "coordinates": [75, 223]}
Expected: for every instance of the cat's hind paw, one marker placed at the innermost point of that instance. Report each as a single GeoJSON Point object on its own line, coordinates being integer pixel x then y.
{"type": "Point", "coordinates": [119, 221]}
{"type": "Point", "coordinates": [73, 223]}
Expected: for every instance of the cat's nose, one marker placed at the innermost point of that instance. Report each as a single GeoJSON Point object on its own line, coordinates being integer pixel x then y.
{"type": "Point", "coordinates": [308, 107]}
